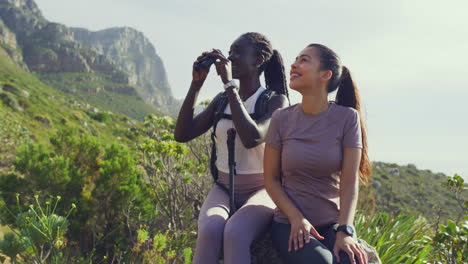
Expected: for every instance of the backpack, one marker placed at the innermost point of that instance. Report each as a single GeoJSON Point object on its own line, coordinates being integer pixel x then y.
{"type": "Point", "coordinates": [261, 107]}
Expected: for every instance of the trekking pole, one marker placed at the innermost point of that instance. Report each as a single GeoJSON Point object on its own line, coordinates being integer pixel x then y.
{"type": "Point", "coordinates": [231, 136]}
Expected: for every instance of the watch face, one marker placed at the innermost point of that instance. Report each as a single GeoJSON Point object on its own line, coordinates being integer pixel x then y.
{"type": "Point", "coordinates": [349, 230]}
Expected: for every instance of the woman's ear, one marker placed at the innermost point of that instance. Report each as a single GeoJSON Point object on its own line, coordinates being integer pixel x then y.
{"type": "Point", "coordinates": [259, 61]}
{"type": "Point", "coordinates": [326, 75]}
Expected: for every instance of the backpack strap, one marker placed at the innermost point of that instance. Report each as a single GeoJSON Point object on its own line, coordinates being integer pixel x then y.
{"type": "Point", "coordinates": [218, 115]}
{"type": "Point", "coordinates": [261, 107]}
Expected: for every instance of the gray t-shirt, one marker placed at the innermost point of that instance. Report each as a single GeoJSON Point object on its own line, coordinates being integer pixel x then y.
{"type": "Point", "coordinates": [311, 155]}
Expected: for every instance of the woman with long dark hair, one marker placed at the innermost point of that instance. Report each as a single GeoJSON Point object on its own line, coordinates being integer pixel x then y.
{"type": "Point", "coordinates": [249, 56]}
{"type": "Point", "coordinates": [315, 154]}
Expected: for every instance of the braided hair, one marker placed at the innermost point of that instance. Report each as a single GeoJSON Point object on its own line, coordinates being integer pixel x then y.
{"type": "Point", "coordinates": [273, 67]}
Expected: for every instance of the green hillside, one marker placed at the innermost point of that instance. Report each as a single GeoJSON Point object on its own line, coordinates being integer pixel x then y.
{"type": "Point", "coordinates": [409, 190]}
{"type": "Point", "coordinates": [35, 109]}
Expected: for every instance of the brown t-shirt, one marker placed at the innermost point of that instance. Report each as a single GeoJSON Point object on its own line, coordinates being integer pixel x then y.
{"type": "Point", "coordinates": [311, 155]}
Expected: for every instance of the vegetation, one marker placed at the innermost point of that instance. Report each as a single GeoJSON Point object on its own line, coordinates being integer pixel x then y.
{"type": "Point", "coordinates": [130, 194]}
{"type": "Point", "coordinates": [407, 190]}
{"type": "Point", "coordinates": [101, 90]}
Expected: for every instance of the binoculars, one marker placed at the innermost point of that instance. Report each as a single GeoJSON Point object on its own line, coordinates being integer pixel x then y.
{"type": "Point", "coordinates": [204, 63]}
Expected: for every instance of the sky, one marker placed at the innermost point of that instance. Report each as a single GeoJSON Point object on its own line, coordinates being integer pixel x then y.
{"type": "Point", "coordinates": [409, 58]}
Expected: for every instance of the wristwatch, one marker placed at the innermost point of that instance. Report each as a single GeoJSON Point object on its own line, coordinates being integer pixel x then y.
{"type": "Point", "coordinates": [348, 229]}
{"type": "Point", "coordinates": [229, 84]}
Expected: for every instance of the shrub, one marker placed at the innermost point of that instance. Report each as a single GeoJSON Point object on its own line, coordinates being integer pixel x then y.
{"type": "Point", "coordinates": [101, 117]}
{"type": "Point", "coordinates": [9, 100]}
{"type": "Point", "coordinates": [451, 240]}
{"type": "Point", "coordinates": [101, 180]}
{"type": "Point", "coordinates": [44, 119]}
{"type": "Point", "coordinates": [39, 235]}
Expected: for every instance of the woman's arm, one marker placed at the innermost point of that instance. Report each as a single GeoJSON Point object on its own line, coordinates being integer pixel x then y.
{"type": "Point", "coordinates": [250, 132]}
{"type": "Point", "coordinates": [188, 127]}
{"type": "Point", "coordinates": [349, 188]}
{"type": "Point", "coordinates": [349, 185]}
{"type": "Point", "coordinates": [300, 227]}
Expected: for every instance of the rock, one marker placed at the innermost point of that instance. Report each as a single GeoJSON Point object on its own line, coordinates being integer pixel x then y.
{"type": "Point", "coordinates": [93, 110]}
{"type": "Point", "coordinates": [123, 57]}
{"type": "Point", "coordinates": [9, 43]}
{"type": "Point", "coordinates": [133, 53]}
{"type": "Point", "coordinates": [25, 93]}
{"type": "Point", "coordinates": [371, 252]}
{"type": "Point", "coordinates": [263, 252]}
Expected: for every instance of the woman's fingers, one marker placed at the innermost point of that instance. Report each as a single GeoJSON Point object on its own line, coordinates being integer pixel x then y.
{"type": "Point", "coordinates": [360, 254]}
{"type": "Point", "coordinates": [314, 232]}
{"type": "Point", "coordinates": [336, 253]}
{"type": "Point", "coordinates": [296, 239]}
{"type": "Point", "coordinates": [218, 56]}
{"type": "Point", "coordinates": [306, 235]}
{"type": "Point", "coordinates": [350, 253]}
{"type": "Point", "coordinates": [300, 239]}
{"type": "Point", "coordinates": [295, 242]}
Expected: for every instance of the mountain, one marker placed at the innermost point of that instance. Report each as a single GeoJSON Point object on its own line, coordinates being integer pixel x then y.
{"type": "Point", "coordinates": [134, 54]}
{"type": "Point", "coordinates": [406, 189]}
{"type": "Point", "coordinates": [116, 69]}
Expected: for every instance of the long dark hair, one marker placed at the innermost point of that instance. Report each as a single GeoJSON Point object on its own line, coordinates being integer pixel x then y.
{"type": "Point", "coordinates": [347, 95]}
{"type": "Point", "coordinates": [272, 67]}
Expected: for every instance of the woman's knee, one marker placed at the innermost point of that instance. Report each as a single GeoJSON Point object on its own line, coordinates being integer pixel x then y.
{"type": "Point", "coordinates": [313, 250]}
{"type": "Point", "coordinates": [212, 227]}
{"type": "Point", "coordinates": [235, 233]}
{"type": "Point", "coordinates": [304, 256]}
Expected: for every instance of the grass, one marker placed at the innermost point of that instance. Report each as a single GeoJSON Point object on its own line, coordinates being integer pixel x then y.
{"type": "Point", "coordinates": [46, 101]}
{"type": "Point", "coordinates": [4, 230]}
{"type": "Point", "coordinates": [401, 239]}
{"type": "Point", "coordinates": [114, 96]}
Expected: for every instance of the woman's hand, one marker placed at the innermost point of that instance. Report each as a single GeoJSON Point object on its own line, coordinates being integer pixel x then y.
{"type": "Point", "coordinates": [200, 76]}
{"type": "Point", "coordinates": [300, 231]}
{"type": "Point", "coordinates": [348, 245]}
{"type": "Point", "coordinates": [223, 65]}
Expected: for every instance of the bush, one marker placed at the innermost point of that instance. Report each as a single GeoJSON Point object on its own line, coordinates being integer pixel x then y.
{"type": "Point", "coordinates": [101, 117]}
{"type": "Point", "coordinates": [451, 240]}
{"type": "Point", "coordinates": [77, 115]}
{"type": "Point", "coordinates": [179, 186]}
{"type": "Point", "coordinates": [44, 119]}
{"type": "Point", "coordinates": [9, 100]}
{"type": "Point", "coordinates": [39, 235]}
{"type": "Point", "coordinates": [101, 180]}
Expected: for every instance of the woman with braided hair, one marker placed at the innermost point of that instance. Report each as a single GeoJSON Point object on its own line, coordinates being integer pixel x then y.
{"type": "Point", "coordinates": [218, 234]}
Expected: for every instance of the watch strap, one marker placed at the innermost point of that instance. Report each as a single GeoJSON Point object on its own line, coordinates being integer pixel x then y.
{"type": "Point", "coordinates": [229, 84]}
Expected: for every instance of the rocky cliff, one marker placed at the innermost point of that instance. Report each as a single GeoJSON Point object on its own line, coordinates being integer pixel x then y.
{"type": "Point", "coordinates": [123, 60]}
{"type": "Point", "coordinates": [133, 53]}
{"type": "Point", "coordinates": [9, 44]}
